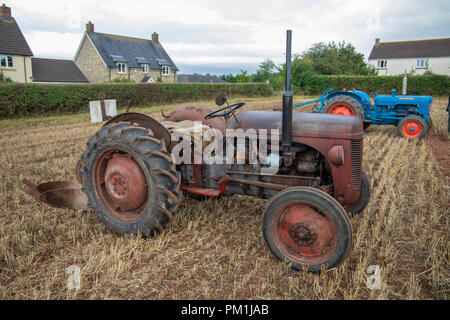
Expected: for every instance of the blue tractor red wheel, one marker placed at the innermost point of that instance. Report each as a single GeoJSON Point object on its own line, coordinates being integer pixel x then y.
{"type": "Point", "coordinates": [344, 105]}
{"type": "Point", "coordinates": [412, 127]}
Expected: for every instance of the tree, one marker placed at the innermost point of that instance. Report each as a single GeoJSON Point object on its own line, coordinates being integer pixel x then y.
{"type": "Point", "coordinates": [228, 77]}
{"type": "Point", "coordinates": [302, 69]}
{"type": "Point", "coordinates": [336, 59]}
{"type": "Point", "coordinates": [267, 70]}
{"type": "Point", "coordinates": [242, 77]}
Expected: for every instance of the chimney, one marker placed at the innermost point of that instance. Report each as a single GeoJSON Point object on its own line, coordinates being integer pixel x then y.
{"type": "Point", "coordinates": [377, 40]}
{"type": "Point", "coordinates": [155, 37]}
{"type": "Point", "coordinates": [89, 27]}
{"type": "Point", "coordinates": [5, 11]}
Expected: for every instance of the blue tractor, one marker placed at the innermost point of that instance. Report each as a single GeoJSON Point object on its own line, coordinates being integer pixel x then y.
{"type": "Point", "coordinates": [411, 114]}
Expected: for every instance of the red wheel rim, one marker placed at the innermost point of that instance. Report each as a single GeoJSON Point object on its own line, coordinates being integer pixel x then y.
{"type": "Point", "coordinates": [121, 186]}
{"type": "Point", "coordinates": [341, 108]}
{"type": "Point", "coordinates": [411, 129]}
{"type": "Point", "coordinates": [304, 234]}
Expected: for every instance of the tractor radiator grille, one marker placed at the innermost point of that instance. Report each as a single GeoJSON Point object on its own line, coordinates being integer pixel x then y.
{"type": "Point", "coordinates": [355, 171]}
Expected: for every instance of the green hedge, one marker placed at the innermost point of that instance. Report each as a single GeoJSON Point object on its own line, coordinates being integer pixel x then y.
{"type": "Point", "coordinates": [417, 85]}
{"type": "Point", "coordinates": [18, 100]}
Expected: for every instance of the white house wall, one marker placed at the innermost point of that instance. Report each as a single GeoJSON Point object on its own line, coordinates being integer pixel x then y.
{"type": "Point", "coordinates": [439, 65]}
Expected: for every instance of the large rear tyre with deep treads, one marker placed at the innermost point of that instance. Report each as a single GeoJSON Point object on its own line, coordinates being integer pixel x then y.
{"type": "Point", "coordinates": [306, 227]}
{"type": "Point", "coordinates": [364, 197]}
{"type": "Point", "coordinates": [130, 179]}
{"type": "Point", "coordinates": [344, 105]}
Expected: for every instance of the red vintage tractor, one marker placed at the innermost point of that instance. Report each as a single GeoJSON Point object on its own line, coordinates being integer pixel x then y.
{"type": "Point", "coordinates": [131, 180]}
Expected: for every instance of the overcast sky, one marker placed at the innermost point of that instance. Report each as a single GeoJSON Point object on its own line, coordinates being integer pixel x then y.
{"type": "Point", "coordinates": [226, 36]}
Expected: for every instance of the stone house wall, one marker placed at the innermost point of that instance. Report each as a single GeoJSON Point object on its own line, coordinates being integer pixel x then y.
{"type": "Point", "coordinates": [90, 63]}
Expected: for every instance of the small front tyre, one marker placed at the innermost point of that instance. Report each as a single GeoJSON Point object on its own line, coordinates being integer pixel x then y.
{"type": "Point", "coordinates": [412, 127]}
{"type": "Point", "coordinates": [306, 227]}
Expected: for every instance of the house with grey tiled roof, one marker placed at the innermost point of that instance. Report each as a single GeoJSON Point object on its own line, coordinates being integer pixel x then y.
{"type": "Point", "coordinates": [15, 54]}
{"type": "Point", "coordinates": [17, 61]}
{"type": "Point", "coordinates": [105, 57]}
{"type": "Point", "coordinates": [416, 57]}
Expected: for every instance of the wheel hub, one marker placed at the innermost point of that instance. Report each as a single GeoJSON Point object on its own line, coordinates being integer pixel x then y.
{"type": "Point", "coordinates": [342, 109]}
{"type": "Point", "coordinates": [302, 234]}
{"type": "Point", "coordinates": [411, 129]}
{"type": "Point", "coordinates": [305, 231]}
{"type": "Point", "coordinates": [125, 183]}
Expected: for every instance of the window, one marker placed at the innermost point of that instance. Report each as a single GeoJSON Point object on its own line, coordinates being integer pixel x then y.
{"type": "Point", "coordinates": [165, 70]}
{"type": "Point", "coordinates": [422, 63]}
{"type": "Point", "coordinates": [145, 68]}
{"type": "Point", "coordinates": [6, 62]}
{"type": "Point", "coordinates": [121, 67]}
{"type": "Point", "coordinates": [382, 64]}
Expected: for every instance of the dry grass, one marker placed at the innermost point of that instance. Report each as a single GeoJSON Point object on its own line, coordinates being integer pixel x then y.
{"type": "Point", "coordinates": [214, 249]}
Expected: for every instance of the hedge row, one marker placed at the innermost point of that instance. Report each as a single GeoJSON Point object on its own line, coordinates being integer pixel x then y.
{"type": "Point", "coordinates": [417, 85]}
{"type": "Point", "coordinates": [18, 100]}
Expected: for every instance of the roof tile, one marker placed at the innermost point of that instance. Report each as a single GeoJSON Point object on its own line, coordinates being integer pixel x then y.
{"type": "Point", "coordinates": [131, 50]}
{"type": "Point", "coordinates": [12, 40]}
{"type": "Point", "coordinates": [411, 49]}
{"type": "Point", "coordinates": [55, 70]}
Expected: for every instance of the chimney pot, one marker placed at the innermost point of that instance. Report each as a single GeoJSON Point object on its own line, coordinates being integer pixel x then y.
{"type": "Point", "coordinates": [377, 40]}
{"type": "Point", "coordinates": [5, 11]}
{"type": "Point", "coordinates": [89, 27]}
{"type": "Point", "coordinates": [155, 37]}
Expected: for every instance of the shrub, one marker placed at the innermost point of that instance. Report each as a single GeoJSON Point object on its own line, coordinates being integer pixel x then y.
{"type": "Point", "coordinates": [18, 100]}
{"type": "Point", "coordinates": [417, 85]}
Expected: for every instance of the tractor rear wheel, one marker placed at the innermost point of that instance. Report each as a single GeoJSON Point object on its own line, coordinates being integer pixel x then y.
{"type": "Point", "coordinates": [306, 227]}
{"type": "Point", "coordinates": [412, 127]}
{"type": "Point", "coordinates": [364, 197]}
{"type": "Point", "coordinates": [344, 105]}
{"type": "Point", "coordinates": [130, 179]}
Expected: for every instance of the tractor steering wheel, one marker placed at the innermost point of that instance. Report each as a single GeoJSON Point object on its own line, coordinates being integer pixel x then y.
{"type": "Point", "coordinates": [233, 107]}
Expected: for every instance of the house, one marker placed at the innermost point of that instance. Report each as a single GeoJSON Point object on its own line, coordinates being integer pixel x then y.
{"type": "Point", "coordinates": [15, 54]}
{"type": "Point", "coordinates": [17, 61]}
{"type": "Point", "coordinates": [416, 57]}
{"type": "Point", "coordinates": [105, 57]}
{"type": "Point", "coordinates": [199, 78]}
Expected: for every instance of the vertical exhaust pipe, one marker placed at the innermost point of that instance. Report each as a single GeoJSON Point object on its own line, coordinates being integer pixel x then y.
{"type": "Point", "coordinates": [286, 125]}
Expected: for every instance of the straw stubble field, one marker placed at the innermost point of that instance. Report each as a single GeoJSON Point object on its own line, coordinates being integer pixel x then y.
{"type": "Point", "coordinates": [214, 249]}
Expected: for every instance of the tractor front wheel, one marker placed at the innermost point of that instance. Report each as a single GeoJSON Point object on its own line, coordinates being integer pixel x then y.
{"type": "Point", "coordinates": [364, 197]}
{"type": "Point", "coordinates": [412, 127]}
{"type": "Point", "coordinates": [344, 105]}
{"type": "Point", "coordinates": [306, 227]}
{"type": "Point", "coordinates": [130, 179]}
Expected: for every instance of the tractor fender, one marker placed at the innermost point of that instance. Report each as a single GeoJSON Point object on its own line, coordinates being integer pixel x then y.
{"type": "Point", "coordinates": [362, 97]}
{"type": "Point", "coordinates": [144, 121]}
{"type": "Point", "coordinates": [195, 113]}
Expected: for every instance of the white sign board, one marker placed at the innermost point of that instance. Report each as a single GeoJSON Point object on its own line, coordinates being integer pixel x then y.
{"type": "Point", "coordinates": [96, 109]}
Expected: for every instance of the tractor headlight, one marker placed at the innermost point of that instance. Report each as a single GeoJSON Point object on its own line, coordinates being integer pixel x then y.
{"type": "Point", "coordinates": [336, 155]}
